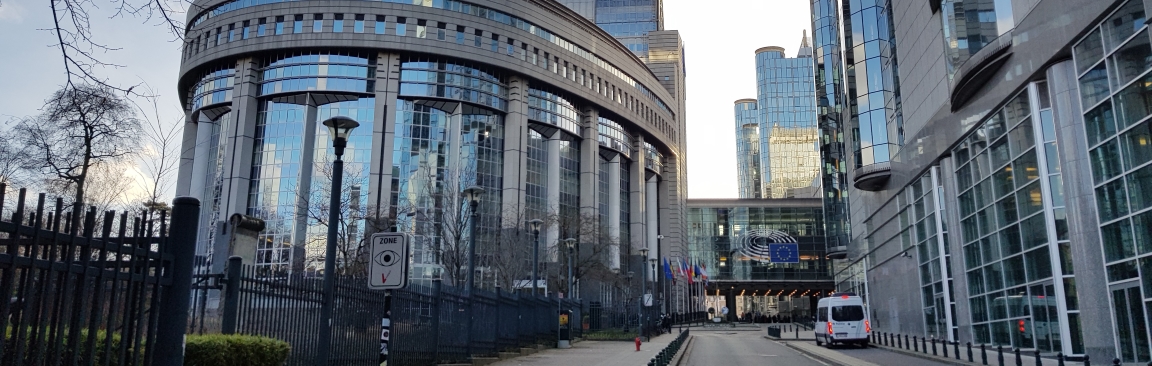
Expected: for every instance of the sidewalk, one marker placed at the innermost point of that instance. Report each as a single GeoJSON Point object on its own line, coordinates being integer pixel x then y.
{"type": "Point", "coordinates": [1026, 357]}
{"type": "Point", "coordinates": [595, 353]}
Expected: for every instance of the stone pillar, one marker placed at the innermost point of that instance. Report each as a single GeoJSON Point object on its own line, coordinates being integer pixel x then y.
{"type": "Point", "coordinates": [515, 151]}
{"type": "Point", "coordinates": [552, 193]}
{"type": "Point", "coordinates": [637, 208]}
{"type": "Point", "coordinates": [590, 164]}
{"type": "Point", "coordinates": [197, 171]}
{"type": "Point", "coordinates": [383, 135]}
{"type": "Point", "coordinates": [304, 184]}
{"type": "Point", "coordinates": [189, 147]}
{"type": "Point", "coordinates": [614, 213]}
{"type": "Point", "coordinates": [651, 217]}
{"type": "Point", "coordinates": [239, 139]}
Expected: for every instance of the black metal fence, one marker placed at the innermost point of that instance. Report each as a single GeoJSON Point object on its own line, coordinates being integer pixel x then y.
{"type": "Point", "coordinates": [427, 323]}
{"type": "Point", "coordinates": [91, 289]}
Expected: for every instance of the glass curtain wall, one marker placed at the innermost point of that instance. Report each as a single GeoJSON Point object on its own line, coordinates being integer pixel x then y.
{"type": "Point", "coordinates": [877, 127]}
{"type": "Point", "coordinates": [1113, 63]}
{"type": "Point", "coordinates": [789, 158]}
{"type": "Point", "coordinates": [828, 74]}
{"type": "Point", "coordinates": [1013, 228]}
{"type": "Point", "coordinates": [748, 149]}
{"type": "Point", "coordinates": [970, 25]}
{"type": "Point", "coordinates": [923, 228]}
{"type": "Point", "coordinates": [716, 234]}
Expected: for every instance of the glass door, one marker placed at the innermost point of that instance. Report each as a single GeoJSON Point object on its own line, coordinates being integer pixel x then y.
{"type": "Point", "coordinates": [1131, 328]}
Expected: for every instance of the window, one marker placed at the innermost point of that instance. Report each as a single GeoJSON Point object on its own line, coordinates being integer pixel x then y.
{"type": "Point", "coordinates": [478, 38]}
{"type": "Point", "coordinates": [261, 27]}
{"type": "Point", "coordinates": [298, 25]}
{"type": "Point", "coordinates": [421, 29]}
{"type": "Point", "coordinates": [849, 313]}
{"type": "Point", "coordinates": [459, 34]}
{"type": "Point", "coordinates": [338, 23]}
{"type": "Point", "coordinates": [231, 33]}
{"type": "Point", "coordinates": [279, 25]}
{"type": "Point", "coordinates": [821, 314]}
{"type": "Point", "coordinates": [380, 24]}
{"type": "Point", "coordinates": [440, 31]}
{"type": "Point", "coordinates": [401, 27]}
{"type": "Point", "coordinates": [358, 27]}
{"type": "Point", "coordinates": [495, 42]}
{"type": "Point", "coordinates": [317, 23]}
{"type": "Point", "coordinates": [247, 28]}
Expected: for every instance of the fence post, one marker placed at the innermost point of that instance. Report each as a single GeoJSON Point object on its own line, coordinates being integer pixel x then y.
{"type": "Point", "coordinates": [231, 295]}
{"type": "Point", "coordinates": [436, 283]}
{"type": "Point", "coordinates": [173, 312]}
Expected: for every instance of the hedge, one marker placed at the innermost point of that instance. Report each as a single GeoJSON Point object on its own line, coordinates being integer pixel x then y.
{"type": "Point", "coordinates": [234, 350]}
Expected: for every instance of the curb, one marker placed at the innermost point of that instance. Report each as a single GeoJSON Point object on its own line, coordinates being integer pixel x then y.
{"type": "Point", "coordinates": [950, 361]}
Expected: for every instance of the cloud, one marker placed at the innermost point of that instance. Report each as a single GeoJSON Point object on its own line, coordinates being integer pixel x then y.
{"type": "Point", "coordinates": [12, 12]}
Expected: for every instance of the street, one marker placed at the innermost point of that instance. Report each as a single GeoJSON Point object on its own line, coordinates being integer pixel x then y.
{"type": "Point", "coordinates": [743, 348]}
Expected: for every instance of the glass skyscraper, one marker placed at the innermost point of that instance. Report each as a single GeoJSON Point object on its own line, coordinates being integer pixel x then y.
{"type": "Point", "coordinates": [789, 151]}
{"type": "Point", "coordinates": [629, 21]}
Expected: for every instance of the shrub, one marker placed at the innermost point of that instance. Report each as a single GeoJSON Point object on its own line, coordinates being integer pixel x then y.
{"type": "Point", "coordinates": [234, 350]}
{"type": "Point", "coordinates": [65, 351]}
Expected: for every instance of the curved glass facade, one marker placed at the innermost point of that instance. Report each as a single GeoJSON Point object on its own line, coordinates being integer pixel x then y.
{"type": "Point", "coordinates": [715, 233]}
{"type": "Point", "coordinates": [421, 77]}
{"type": "Point", "coordinates": [214, 87]}
{"type": "Point", "coordinates": [748, 149]}
{"type": "Point", "coordinates": [318, 71]}
{"type": "Point", "coordinates": [969, 25]}
{"type": "Point", "coordinates": [789, 155]}
{"type": "Point", "coordinates": [653, 159]}
{"type": "Point", "coordinates": [873, 91]}
{"type": "Point", "coordinates": [553, 109]}
{"type": "Point", "coordinates": [829, 116]}
{"type": "Point", "coordinates": [612, 136]}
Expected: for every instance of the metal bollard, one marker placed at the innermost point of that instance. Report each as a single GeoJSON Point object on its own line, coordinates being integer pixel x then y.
{"type": "Point", "coordinates": [983, 355]}
{"type": "Point", "coordinates": [906, 344]}
{"type": "Point", "coordinates": [1059, 358]}
{"type": "Point", "coordinates": [915, 344]}
{"type": "Point", "coordinates": [1115, 361]}
{"type": "Point", "coordinates": [899, 342]}
{"type": "Point", "coordinates": [1087, 362]}
{"type": "Point", "coordinates": [1036, 354]}
{"type": "Point", "coordinates": [933, 346]}
{"type": "Point", "coordinates": [1018, 362]}
{"type": "Point", "coordinates": [924, 344]}
{"type": "Point", "coordinates": [944, 345]}
{"type": "Point", "coordinates": [1000, 355]}
{"type": "Point", "coordinates": [956, 349]}
{"type": "Point", "coordinates": [797, 333]}
{"type": "Point", "coordinates": [969, 344]}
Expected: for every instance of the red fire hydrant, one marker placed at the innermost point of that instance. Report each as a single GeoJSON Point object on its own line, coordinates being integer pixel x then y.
{"type": "Point", "coordinates": [637, 344]}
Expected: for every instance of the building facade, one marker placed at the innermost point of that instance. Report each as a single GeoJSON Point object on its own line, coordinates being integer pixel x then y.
{"type": "Point", "coordinates": [732, 239]}
{"type": "Point", "coordinates": [787, 132]}
{"type": "Point", "coordinates": [1000, 170]}
{"type": "Point", "coordinates": [630, 21]}
{"type": "Point", "coordinates": [748, 148]}
{"type": "Point", "coordinates": [549, 114]}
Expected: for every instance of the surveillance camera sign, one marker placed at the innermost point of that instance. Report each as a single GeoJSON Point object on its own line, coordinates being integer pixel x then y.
{"type": "Point", "coordinates": [388, 265]}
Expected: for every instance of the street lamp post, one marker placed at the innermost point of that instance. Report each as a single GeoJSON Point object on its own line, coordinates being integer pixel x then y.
{"type": "Point", "coordinates": [571, 244]}
{"type": "Point", "coordinates": [643, 286]}
{"type": "Point", "coordinates": [338, 129]}
{"type": "Point", "coordinates": [472, 196]}
{"type": "Point", "coordinates": [535, 225]}
{"type": "Point", "coordinates": [655, 276]}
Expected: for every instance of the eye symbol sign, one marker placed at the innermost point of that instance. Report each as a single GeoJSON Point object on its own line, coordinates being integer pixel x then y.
{"type": "Point", "coordinates": [387, 258]}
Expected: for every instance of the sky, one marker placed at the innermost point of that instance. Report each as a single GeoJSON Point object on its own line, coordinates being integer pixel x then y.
{"type": "Point", "coordinates": [719, 41]}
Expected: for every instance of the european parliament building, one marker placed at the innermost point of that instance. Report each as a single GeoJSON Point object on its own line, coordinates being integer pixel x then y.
{"type": "Point", "coordinates": [546, 111]}
{"type": "Point", "coordinates": [993, 159]}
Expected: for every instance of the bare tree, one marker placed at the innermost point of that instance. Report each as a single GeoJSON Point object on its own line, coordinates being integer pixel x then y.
{"type": "Point", "coordinates": [160, 156]}
{"type": "Point", "coordinates": [509, 250]}
{"type": "Point", "coordinates": [589, 258]}
{"type": "Point", "coordinates": [12, 161]}
{"type": "Point", "coordinates": [81, 127]}
{"type": "Point", "coordinates": [79, 48]}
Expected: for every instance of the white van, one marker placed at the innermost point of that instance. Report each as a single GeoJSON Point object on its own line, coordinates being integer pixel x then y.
{"type": "Point", "coordinates": [842, 318]}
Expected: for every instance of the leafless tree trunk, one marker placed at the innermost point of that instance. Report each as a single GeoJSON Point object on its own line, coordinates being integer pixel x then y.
{"type": "Point", "coordinates": [161, 154]}
{"type": "Point", "coordinates": [81, 127]}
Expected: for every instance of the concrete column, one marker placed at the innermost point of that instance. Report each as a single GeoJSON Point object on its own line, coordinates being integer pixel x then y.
{"type": "Point", "coordinates": [189, 146]}
{"type": "Point", "coordinates": [614, 212]}
{"type": "Point", "coordinates": [383, 134]}
{"type": "Point", "coordinates": [515, 149]}
{"type": "Point", "coordinates": [651, 216]}
{"type": "Point", "coordinates": [304, 184]}
{"type": "Point", "coordinates": [636, 201]}
{"type": "Point", "coordinates": [197, 172]}
{"type": "Point", "coordinates": [239, 139]}
{"type": "Point", "coordinates": [1083, 227]}
{"type": "Point", "coordinates": [552, 194]}
{"type": "Point", "coordinates": [590, 164]}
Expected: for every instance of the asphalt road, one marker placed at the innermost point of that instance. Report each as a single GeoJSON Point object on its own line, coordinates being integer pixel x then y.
{"type": "Point", "coordinates": [719, 348]}
{"type": "Point", "coordinates": [882, 357]}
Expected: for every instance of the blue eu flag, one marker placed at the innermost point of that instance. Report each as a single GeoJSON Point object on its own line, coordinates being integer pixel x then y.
{"type": "Point", "coordinates": [784, 252]}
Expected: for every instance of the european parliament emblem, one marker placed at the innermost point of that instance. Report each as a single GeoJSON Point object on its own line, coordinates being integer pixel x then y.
{"type": "Point", "coordinates": [785, 252]}
{"type": "Point", "coordinates": [760, 245]}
